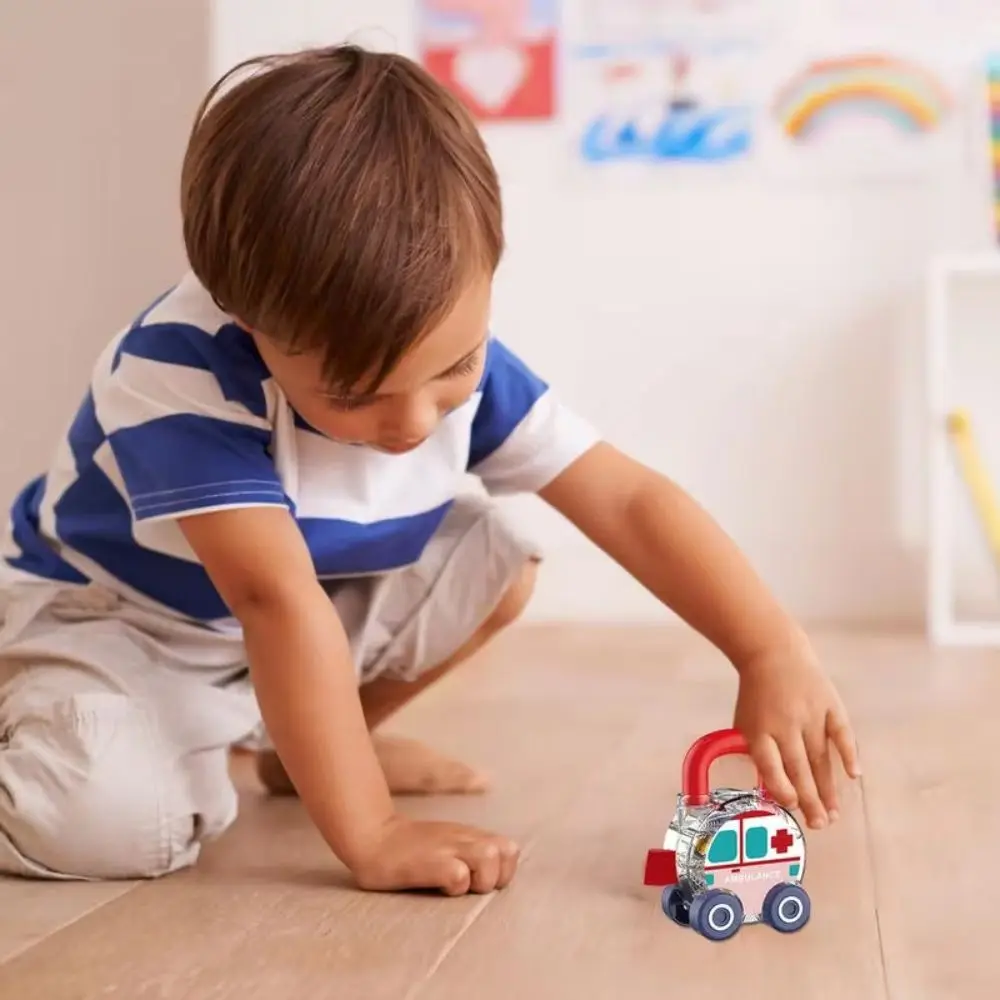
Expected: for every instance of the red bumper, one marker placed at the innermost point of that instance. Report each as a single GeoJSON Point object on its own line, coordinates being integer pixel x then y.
{"type": "Point", "coordinates": [661, 868]}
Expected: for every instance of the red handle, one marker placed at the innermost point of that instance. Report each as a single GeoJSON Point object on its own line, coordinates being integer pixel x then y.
{"type": "Point", "coordinates": [703, 753]}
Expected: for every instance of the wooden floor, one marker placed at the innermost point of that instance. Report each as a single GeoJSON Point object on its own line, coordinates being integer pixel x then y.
{"type": "Point", "coordinates": [584, 731]}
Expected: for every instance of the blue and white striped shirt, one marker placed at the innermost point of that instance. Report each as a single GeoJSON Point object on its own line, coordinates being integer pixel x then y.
{"type": "Point", "coordinates": [182, 416]}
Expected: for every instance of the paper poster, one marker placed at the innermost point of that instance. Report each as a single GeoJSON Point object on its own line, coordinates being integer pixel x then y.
{"type": "Point", "coordinates": [499, 56]}
{"type": "Point", "coordinates": [864, 114]}
{"type": "Point", "coordinates": [911, 13]}
{"type": "Point", "coordinates": [615, 21]}
{"type": "Point", "coordinates": [662, 82]}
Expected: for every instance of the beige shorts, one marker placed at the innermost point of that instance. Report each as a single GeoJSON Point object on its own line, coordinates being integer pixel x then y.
{"type": "Point", "coordinates": [116, 721]}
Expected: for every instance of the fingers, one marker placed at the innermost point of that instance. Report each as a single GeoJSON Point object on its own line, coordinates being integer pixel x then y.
{"type": "Point", "coordinates": [787, 771]}
{"type": "Point", "coordinates": [451, 858]}
{"type": "Point", "coordinates": [767, 757]}
{"type": "Point", "coordinates": [799, 768]}
{"type": "Point", "coordinates": [510, 856]}
{"type": "Point", "coordinates": [798, 772]}
{"type": "Point", "coordinates": [483, 859]}
{"type": "Point", "coordinates": [455, 878]}
{"type": "Point", "coordinates": [491, 861]}
{"type": "Point", "coordinates": [840, 734]}
{"type": "Point", "coordinates": [821, 765]}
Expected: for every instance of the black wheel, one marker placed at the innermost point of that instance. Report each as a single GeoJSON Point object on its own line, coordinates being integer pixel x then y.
{"type": "Point", "coordinates": [716, 914]}
{"type": "Point", "coordinates": [676, 905]}
{"type": "Point", "coordinates": [786, 908]}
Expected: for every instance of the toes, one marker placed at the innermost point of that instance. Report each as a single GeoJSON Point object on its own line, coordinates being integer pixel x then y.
{"type": "Point", "coordinates": [463, 779]}
{"type": "Point", "coordinates": [436, 777]}
{"type": "Point", "coordinates": [272, 774]}
{"type": "Point", "coordinates": [411, 768]}
{"type": "Point", "coordinates": [447, 777]}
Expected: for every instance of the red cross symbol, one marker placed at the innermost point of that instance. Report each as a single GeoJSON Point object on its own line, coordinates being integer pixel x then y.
{"type": "Point", "coordinates": [782, 841]}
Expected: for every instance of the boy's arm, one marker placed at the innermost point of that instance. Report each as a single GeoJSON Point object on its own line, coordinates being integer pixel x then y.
{"type": "Point", "coordinates": [301, 668]}
{"type": "Point", "coordinates": [306, 685]}
{"type": "Point", "coordinates": [787, 708]}
{"type": "Point", "coordinates": [667, 542]}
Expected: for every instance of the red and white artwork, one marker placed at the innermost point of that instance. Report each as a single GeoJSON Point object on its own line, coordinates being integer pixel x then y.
{"type": "Point", "coordinates": [498, 56]}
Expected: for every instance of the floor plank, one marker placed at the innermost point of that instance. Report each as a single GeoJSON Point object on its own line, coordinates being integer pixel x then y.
{"type": "Point", "coordinates": [267, 914]}
{"type": "Point", "coordinates": [32, 911]}
{"type": "Point", "coordinates": [927, 721]}
{"type": "Point", "coordinates": [579, 925]}
{"type": "Point", "coordinates": [584, 730]}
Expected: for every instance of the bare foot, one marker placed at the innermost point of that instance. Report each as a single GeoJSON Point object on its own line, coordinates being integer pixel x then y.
{"type": "Point", "coordinates": [410, 768]}
{"type": "Point", "coordinates": [272, 774]}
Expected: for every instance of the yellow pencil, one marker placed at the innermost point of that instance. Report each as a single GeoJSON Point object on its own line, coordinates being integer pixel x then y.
{"type": "Point", "coordinates": [975, 476]}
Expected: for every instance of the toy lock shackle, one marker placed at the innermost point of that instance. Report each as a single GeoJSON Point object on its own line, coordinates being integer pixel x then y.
{"type": "Point", "coordinates": [700, 757]}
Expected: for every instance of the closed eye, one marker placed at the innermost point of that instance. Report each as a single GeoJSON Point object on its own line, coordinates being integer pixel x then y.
{"type": "Point", "coordinates": [465, 367]}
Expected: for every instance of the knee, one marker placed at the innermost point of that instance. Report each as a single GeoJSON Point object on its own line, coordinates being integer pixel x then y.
{"type": "Point", "coordinates": [515, 598]}
{"type": "Point", "coordinates": [91, 793]}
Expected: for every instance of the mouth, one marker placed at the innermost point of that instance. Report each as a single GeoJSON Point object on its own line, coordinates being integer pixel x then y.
{"type": "Point", "coordinates": [399, 447]}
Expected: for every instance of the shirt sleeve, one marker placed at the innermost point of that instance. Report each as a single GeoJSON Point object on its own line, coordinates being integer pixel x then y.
{"type": "Point", "coordinates": [188, 430]}
{"type": "Point", "coordinates": [522, 435]}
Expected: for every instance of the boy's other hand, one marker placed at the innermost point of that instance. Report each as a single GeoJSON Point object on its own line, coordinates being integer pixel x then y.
{"type": "Point", "coordinates": [792, 718]}
{"type": "Point", "coordinates": [450, 857]}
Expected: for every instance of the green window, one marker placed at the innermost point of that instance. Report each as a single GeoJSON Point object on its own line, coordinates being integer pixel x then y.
{"type": "Point", "coordinates": [756, 843]}
{"type": "Point", "coordinates": [725, 848]}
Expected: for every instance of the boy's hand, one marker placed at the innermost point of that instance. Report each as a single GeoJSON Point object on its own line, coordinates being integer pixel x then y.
{"type": "Point", "coordinates": [791, 715]}
{"type": "Point", "coordinates": [447, 856]}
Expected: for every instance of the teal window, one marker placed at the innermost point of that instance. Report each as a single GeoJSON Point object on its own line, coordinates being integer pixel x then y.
{"type": "Point", "coordinates": [794, 870]}
{"type": "Point", "coordinates": [756, 843]}
{"type": "Point", "coordinates": [725, 848]}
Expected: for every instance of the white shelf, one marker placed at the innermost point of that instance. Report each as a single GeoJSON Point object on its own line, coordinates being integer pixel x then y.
{"type": "Point", "coordinates": [945, 282]}
{"type": "Point", "coordinates": [949, 265]}
{"type": "Point", "coordinates": [968, 635]}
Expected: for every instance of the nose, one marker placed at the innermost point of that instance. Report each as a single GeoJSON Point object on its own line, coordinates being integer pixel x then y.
{"type": "Point", "coordinates": [415, 423]}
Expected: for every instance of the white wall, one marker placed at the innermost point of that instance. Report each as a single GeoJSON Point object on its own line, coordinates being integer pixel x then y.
{"type": "Point", "coordinates": [760, 344]}
{"type": "Point", "coordinates": [96, 101]}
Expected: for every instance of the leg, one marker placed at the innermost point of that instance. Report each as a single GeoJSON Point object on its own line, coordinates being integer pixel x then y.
{"type": "Point", "coordinates": [383, 696]}
{"type": "Point", "coordinates": [409, 629]}
{"type": "Point", "coordinates": [411, 767]}
{"type": "Point", "coordinates": [88, 789]}
{"type": "Point", "coordinates": [96, 781]}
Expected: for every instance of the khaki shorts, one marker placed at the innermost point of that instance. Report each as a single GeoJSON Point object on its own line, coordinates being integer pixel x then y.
{"type": "Point", "coordinates": [116, 720]}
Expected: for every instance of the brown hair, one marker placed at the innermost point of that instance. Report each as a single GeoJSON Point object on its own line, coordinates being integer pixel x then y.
{"type": "Point", "coordinates": [339, 200]}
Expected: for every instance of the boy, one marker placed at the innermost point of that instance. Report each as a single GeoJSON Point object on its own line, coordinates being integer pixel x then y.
{"type": "Point", "coordinates": [256, 512]}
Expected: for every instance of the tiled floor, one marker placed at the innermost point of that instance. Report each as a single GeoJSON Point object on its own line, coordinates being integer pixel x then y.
{"type": "Point", "coordinates": [584, 730]}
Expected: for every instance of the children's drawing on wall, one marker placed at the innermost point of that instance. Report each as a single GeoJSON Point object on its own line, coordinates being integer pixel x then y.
{"type": "Point", "coordinates": [644, 86]}
{"type": "Point", "coordinates": [949, 14]}
{"type": "Point", "coordinates": [895, 91]}
{"type": "Point", "coordinates": [864, 114]}
{"type": "Point", "coordinates": [624, 21]}
{"type": "Point", "coordinates": [497, 55]}
{"type": "Point", "coordinates": [679, 105]}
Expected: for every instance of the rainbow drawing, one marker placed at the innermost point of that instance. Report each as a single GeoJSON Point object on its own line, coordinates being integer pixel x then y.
{"type": "Point", "coordinates": [902, 92]}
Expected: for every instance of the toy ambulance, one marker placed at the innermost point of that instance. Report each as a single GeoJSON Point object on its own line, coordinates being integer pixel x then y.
{"type": "Point", "coordinates": [729, 857]}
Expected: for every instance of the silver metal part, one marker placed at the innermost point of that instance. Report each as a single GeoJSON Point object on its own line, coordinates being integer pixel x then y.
{"type": "Point", "coordinates": [695, 826]}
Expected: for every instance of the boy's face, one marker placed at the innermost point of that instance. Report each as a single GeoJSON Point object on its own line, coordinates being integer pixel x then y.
{"type": "Point", "coordinates": [437, 376]}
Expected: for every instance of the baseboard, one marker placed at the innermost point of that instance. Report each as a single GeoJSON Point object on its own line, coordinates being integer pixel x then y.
{"type": "Point", "coordinates": [583, 584]}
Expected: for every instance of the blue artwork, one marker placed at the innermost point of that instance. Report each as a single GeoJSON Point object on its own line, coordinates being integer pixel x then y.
{"type": "Point", "coordinates": [711, 135]}
{"type": "Point", "coordinates": [658, 100]}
